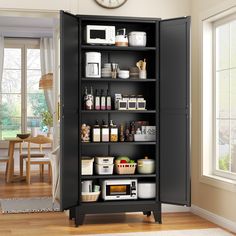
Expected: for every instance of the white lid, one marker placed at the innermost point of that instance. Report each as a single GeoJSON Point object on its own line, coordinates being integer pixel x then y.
{"type": "Point", "coordinates": [138, 33]}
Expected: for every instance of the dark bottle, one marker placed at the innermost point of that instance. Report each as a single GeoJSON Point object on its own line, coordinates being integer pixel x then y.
{"type": "Point", "coordinates": [85, 98]}
{"type": "Point", "coordinates": [127, 132]}
{"type": "Point", "coordinates": [108, 101]}
{"type": "Point", "coordinates": [122, 137]}
{"type": "Point", "coordinates": [97, 101]}
{"type": "Point", "coordinates": [103, 100]}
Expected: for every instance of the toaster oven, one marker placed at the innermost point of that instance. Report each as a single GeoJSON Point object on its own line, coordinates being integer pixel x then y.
{"type": "Point", "coordinates": [124, 189]}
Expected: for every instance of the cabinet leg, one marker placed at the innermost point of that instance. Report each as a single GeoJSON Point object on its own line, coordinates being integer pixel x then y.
{"type": "Point", "coordinates": [157, 216]}
{"type": "Point", "coordinates": [147, 213]}
{"type": "Point", "coordinates": [79, 217]}
{"type": "Point", "coordinates": [72, 213]}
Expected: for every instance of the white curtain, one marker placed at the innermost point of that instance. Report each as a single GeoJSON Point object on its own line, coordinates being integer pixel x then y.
{"type": "Point", "coordinates": [1, 72]}
{"type": "Point", "coordinates": [47, 65]}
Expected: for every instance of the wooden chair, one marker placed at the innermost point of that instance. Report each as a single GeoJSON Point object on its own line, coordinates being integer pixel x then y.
{"type": "Point", "coordinates": [6, 160]}
{"type": "Point", "coordinates": [33, 159]}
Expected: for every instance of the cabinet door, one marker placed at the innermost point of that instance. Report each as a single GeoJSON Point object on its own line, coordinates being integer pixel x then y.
{"type": "Point", "coordinates": [69, 110]}
{"type": "Point", "coordinates": [174, 111]}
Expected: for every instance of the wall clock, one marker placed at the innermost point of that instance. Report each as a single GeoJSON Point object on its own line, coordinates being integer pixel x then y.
{"type": "Point", "coordinates": [111, 4]}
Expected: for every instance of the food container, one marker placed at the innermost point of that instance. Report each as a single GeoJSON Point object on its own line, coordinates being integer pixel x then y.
{"type": "Point", "coordinates": [87, 166]}
{"type": "Point", "coordinates": [125, 168]}
{"type": "Point", "coordinates": [89, 197]}
{"type": "Point", "coordinates": [121, 38]}
{"type": "Point", "coordinates": [146, 166]}
{"type": "Point", "coordinates": [104, 169]}
{"type": "Point", "coordinates": [146, 190]}
{"type": "Point", "coordinates": [144, 138]}
{"type": "Point", "coordinates": [137, 38]}
{"type": "Point", "coordinates": [104, 160]}
{"type": "Point", "coordinates": [123, 74]}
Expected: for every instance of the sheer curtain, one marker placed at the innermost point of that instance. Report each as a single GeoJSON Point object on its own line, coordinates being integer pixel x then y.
{"type": "Point", "coordinates": [1, 72]}
{"type": "Point", "coordinates": [47, 64]}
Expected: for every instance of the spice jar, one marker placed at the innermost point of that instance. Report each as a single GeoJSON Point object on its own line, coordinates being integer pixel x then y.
{"type": "Point", "coordinates": [96, 132]}
{"type": "Point", "coordinates": [113, 132]}
{"type": "Point", "coordinates": [105, 132]}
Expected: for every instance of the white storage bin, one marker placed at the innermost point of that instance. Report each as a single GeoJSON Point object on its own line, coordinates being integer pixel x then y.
{"type": "Point", "coordinates": [87, 166]}
{"type": "Point", "coordinates": [104, 169]}
{"type": "Point", "coordinates": [104, 160]}
{"type": "Point", "coordinates": [144, 138]}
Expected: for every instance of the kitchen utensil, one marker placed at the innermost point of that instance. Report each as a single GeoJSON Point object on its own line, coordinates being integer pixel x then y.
{"type": "Point", "coordinates": [146, 190]}
{"type": "Point", "coordinates": [146, 166]}
{"type": "Point", "coordinates": [87, 186]}
{"type": "Point", "coordinates": [137, 38]}
{"type": "Point", "coordinates": [121, 38]}
{"type": "Point", "coordinates": [93, 65]}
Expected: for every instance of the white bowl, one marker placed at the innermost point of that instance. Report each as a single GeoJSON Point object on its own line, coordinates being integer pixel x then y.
{"type": "Point", "coordinates": [123, 74]}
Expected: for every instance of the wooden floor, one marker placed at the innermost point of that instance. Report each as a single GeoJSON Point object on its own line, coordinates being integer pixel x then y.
{"type": "Point", "coordinates": [37, 188]}
{"type": "Point", "coordinates": [50, 224]}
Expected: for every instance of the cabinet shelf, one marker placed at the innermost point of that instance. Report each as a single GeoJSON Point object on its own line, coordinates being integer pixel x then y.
{"type": "Point", "coordinates": [117, 143]}
{"type": "Point", "coordinates": [115, 202]}
{"type": "Point", "coordinates": [118, 80]}
{"type": "Point", "coordinates": [115, 48]}
{"type": "Point", "coordinates": [118, 111]}
{"type": "Point", "coordinates": [115, 176]}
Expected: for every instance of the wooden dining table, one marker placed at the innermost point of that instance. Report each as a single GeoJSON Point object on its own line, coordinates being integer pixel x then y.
{"type": "Point", "coordinates": [11, 177]}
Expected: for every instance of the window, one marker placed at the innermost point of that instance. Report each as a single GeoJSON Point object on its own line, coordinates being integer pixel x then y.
{"type": "Point", "coordinates": [224, 97]}
{"type": "Point", "coordinates": [21, 100]}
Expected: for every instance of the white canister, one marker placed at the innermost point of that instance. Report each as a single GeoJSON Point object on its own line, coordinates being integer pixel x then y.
{"type": "Point", "coordinates": [87, 186]}
{"type": "Point", "coordinates": [137, 38]}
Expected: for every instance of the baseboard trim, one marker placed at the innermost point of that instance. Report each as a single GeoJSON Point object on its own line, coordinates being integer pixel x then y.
{"type": "Point", "coordinates": [216, 219]}
{"type": "Point", "coordinates": [174, 208]}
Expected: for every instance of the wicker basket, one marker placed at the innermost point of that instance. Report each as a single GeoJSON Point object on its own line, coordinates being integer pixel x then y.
{"type": "Point", "coordinates": [89, 197]}
{"type": "Point", "coordinates": [125, 168]}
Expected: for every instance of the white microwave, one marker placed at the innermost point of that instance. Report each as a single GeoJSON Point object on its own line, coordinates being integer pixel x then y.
{"type": "Point", "coordinates": [100, 34]}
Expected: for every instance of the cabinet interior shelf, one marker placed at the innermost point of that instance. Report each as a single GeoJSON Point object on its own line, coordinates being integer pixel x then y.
{"type": "Point", "coordinates": [112, 203]}
{"type": "Point", "coordinates": [115, 176]}
{"type": "Point", "coordinates": [118, 80]}
{"type": "Point", "coordinates": [118, 143]}
{"type": "Point", "coordinates": [118, 111]}
{"type": "Point", "coordinates": [115, 48]}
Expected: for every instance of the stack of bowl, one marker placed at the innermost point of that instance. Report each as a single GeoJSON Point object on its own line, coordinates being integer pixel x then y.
{"type": "Point", "coordinates": [106, 70]}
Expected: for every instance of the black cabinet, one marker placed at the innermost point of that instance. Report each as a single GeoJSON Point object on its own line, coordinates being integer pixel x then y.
{"type": "Point", "coordinates": [167, 92]}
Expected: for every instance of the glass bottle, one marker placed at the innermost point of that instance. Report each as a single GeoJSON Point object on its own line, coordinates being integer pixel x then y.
{"type": "Point", "coordinates": [122, 137]}
{"type": "Point", "coordinates": [90, 101]}
{"type": "Point", "coordinates": [97, 101]}
{"type": "Point", "coordinates": [113, 132]}
{"type": "Point", "coordinates": [103, 100]}
{"type": "Point", "coordinates": [105, 132]}
{"type": "Point", "coordinates": [85, 97]}
{"type": "Point", "coordinates": [108, 101]}
{"type": "Point", "coordinates": [96, 132]}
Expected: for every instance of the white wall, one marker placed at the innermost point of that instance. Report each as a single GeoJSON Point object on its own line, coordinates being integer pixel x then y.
{"type": "Point", "coordinates": [150, 8]}
{"type": "Point", "coordinates": [218, 201]}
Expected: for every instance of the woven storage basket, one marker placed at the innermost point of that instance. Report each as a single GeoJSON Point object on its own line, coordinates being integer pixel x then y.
{"type": "Point", "coordinates": [90, 197]}
{"type": "Point", "coordinates": [125, 168]}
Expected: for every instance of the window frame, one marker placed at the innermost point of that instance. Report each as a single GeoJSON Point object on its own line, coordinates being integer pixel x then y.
{"type": "Point", "coordinates": [23, 44]}
{"type": "Point", "coordinates": [220, 173]}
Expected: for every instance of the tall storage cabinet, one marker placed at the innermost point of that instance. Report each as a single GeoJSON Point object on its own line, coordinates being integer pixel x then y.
{"type": "Point", "coordinates": [167, 92]}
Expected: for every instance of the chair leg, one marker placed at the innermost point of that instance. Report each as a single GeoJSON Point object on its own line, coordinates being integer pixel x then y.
{"type": "Point", "coordinates": [6, 170]}
{"type": "Point", "coordinates": [21, 166]}
{"type": "Point", "coordinates": [28, 173]}
{"type": "Point", "coordinates": [41, 170]}
{"type": "Point", "coordinates": [49, 173]}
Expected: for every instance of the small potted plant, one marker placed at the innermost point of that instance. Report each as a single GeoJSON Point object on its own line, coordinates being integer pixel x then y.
{"type": "Point", "coordinates": [47, 120]}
